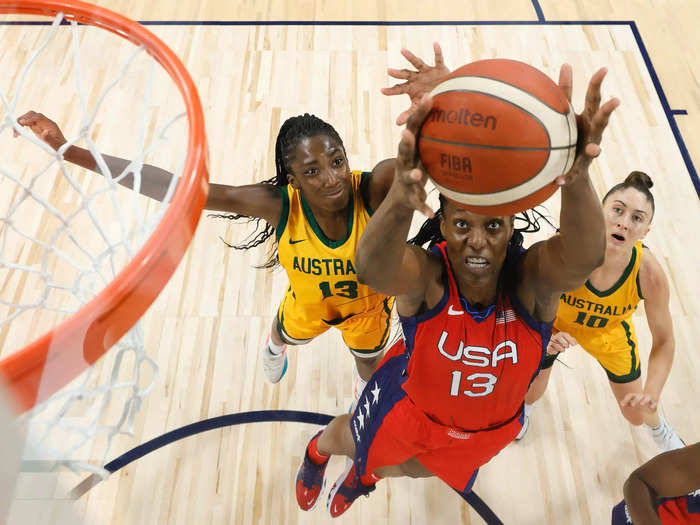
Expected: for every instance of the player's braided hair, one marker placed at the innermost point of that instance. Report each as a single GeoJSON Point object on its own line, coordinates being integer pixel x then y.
{"type": "Point", "coordinates": [638, 180]}
{"type": "Point", "coordinates": [430, 233]}
{"type": "Point", "coordinates": [293, 130]}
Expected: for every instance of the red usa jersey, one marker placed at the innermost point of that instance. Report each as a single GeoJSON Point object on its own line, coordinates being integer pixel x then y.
{"type": "Point", "coordinates": [471, 370]}
{"type": "Point", "coordinates": [680, 510]}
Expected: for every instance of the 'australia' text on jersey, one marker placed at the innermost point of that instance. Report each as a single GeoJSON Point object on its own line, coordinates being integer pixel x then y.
{"type": "Point", "coordinates": [313, 266]}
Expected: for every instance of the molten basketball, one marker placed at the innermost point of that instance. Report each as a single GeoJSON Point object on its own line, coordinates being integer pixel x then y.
{"type": "Point", "coordinates": [499, 133]}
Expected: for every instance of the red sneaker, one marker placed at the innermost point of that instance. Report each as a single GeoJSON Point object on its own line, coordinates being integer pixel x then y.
{"type": "Point", "coordinates": [346, 490]}
{"type": "Point", "coordinates": [311, 480]}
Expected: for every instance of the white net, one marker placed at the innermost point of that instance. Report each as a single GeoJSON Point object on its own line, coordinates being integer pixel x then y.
{"type": "Point", "coordinates": [65, 232]}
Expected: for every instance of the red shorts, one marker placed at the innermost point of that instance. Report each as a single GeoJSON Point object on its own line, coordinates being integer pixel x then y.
{"type": "Point", "coordinates": [388, 429]}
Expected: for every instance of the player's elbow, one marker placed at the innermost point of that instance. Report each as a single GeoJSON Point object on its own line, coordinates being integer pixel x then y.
{"type": "Point", "coordinates": [636, 487]}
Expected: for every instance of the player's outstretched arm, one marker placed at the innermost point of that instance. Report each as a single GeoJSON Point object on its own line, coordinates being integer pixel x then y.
{"type": "Point", "coordinates": [254, 200]}
{"type": "Point", "coordinates": [383, 259]}
{"type": "Point", "coordinates": [667, 475]}
{"type": "Point", "coordinates": [417, 83]}
{"type": "Point", "coordinates": [655, 289]}
{"type": "Point", "coordinates": [566, 260]}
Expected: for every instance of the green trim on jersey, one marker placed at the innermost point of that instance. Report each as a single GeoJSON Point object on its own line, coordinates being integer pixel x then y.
{"type": "Point", "coordinates": [635, 370]}
{"type": "Point", "coordinates": [619, 282]}
{"type": "Point", "coordinates": [284, 216]}
{"type": "Point", "coordinates": [317, 229]}
{"type": "Point", "coordinates": [364, 192]}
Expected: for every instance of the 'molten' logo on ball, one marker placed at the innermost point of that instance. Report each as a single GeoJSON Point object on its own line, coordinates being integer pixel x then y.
{"type": "Point", "coordinates": [463, 116]}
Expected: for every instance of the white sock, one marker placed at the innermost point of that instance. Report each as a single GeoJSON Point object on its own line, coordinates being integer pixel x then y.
{"type": "Point", "coordinates": [275, 349]}
{"type": "Point", "coordinates": [528, 409]}
{"type": "Point", "coordinates": [361, 384]}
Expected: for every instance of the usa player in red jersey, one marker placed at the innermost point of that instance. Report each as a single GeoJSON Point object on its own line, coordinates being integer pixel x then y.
{"type": "Point", "coordinates": [476, 310]}
{"type": "Point", "coordinates": [665, 490]}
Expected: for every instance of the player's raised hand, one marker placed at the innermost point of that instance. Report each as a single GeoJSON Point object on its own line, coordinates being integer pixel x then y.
{"type": "Point", "coordinates": [639, 400]}
{"type": "Point", "coordinates": [591, 122]}
{"type": "Point", "coordinates": [410, 176]}
{"type": "Point", "coordinates": [43, 127]}
{"type": "Point", "coordinates": [559, 342]}
{"type": "Point", "coordinates": [417, 83]}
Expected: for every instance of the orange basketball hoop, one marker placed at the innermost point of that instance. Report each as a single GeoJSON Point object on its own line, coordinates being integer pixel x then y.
{"type": "Point", "coordinates": [41, 368]}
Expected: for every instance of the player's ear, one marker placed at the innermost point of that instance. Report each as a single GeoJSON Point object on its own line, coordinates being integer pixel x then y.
{"type": "Point", "coordinates": [293, 182]}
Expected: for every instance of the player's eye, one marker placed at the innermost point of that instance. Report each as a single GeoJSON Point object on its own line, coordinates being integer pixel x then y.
{"type": "Point", "coordinates": [339, 161]}
{"type": "Point", "coordinates": [311, 171]}
{"type": "Point", "coordinates": [493, 225]}
{"type": "Point", "coordinates": [461, 225]}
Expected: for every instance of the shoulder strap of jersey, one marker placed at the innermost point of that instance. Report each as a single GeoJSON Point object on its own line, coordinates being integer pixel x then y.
{"type": "Point", "coordinates": [363, 190]}
{"type": "Point", "coordinates": [284, 216]}
{"type": "Point", "coordinates": [441, 249]}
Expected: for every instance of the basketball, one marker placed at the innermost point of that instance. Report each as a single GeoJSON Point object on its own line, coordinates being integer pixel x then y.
{"type": "Point", "coordinates": [499, 133]}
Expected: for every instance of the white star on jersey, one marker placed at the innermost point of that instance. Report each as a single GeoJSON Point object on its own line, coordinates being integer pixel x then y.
{"type": "Point", "coordinates": [367, 405]}
{"type": "Point", "coordinates": [361, 418]}
{"type": "Point", "coordinates": [375, 392]}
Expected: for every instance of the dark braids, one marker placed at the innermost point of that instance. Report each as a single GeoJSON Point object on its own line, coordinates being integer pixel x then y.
{"type": "Point", "coordinates": [429, 232]}
{"type": "Point", "coordinates": [293, 130]}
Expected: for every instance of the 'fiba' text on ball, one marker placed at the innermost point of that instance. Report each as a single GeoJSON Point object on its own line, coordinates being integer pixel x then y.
{"type": "Point", "coordinates": [455, 163]}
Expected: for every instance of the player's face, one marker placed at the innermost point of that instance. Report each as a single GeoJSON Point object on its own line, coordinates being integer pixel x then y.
{"type": "Point", "coordinates": [476, 244]}
{"type": "Point", "coordinates": [320, 170]}
{"type": "Point", "coordinates": [627, 217]}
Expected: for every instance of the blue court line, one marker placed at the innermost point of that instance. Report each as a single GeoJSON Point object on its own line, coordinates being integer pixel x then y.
{"type": "Point", "coordinates": [240, 418]}
{"type": "Point", "coordinates": [679, 111]}
{"type": "Point", "coordinates": [667, 109]}
{"type": "Point", "coordinates": [538, 10]}
{"type": "Point", "coordinates": [258, 416]}
{"type": "Point", "coordinates": [482, 509]}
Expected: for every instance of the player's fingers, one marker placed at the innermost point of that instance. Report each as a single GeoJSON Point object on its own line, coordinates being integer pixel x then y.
{"type": "Point", "coordinates": [403, 116]}
{"type": "Point", "coordinates": [403, 74]}
{"type": "Point", "coordinates": [556, 346]}
{"type": "Point", "coordinates": [415, 121]}
{"type": "Point", "coordinates": [28, 119]}
{"type": "Point", "coordinates": [406, 155]}
{"type": "Point", "coordinates": [566, 80]}
{"type": "Point", "coordinates": [439, 60]}
{"type": "Point", "coordinates": [601, 118]}
{"type": "Point", "coordinates": [593, 92]}
{"type": "Point", "coordinates": [571, 340]}
{"type": "Point", "coordinates": [396, 89]}
{"type": "Point", "coordinates": [413, 59]}
{"type": "Point", "coordinates": [645, 401]}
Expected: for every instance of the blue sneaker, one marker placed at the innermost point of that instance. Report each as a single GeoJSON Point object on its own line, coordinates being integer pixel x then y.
{"type": "Point", "coordinates": [310, 481]}
{"type": "Point", "coordinates": [346, 490]}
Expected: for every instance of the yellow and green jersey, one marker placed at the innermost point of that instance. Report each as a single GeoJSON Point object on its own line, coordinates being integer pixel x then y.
{"type": "Point", "coordinates": [321, 271]}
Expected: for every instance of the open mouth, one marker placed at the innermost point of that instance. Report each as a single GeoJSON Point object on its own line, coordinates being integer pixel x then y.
{"type": "Point", "coordinates": [477, 263]}
{"type": "Point", "coordinates": [336, 192]}
{"type": "Point", "coordinates": [618, 237]}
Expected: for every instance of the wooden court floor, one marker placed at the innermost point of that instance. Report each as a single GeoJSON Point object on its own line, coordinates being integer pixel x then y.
{"type": "Point", "coordinates": [206, 328]}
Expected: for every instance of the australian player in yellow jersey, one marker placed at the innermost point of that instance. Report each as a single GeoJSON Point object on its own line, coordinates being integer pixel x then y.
{"type": "Point", "coordinates": [317, 207]}
{"type": "Point", "coordinates": [597, 315]}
